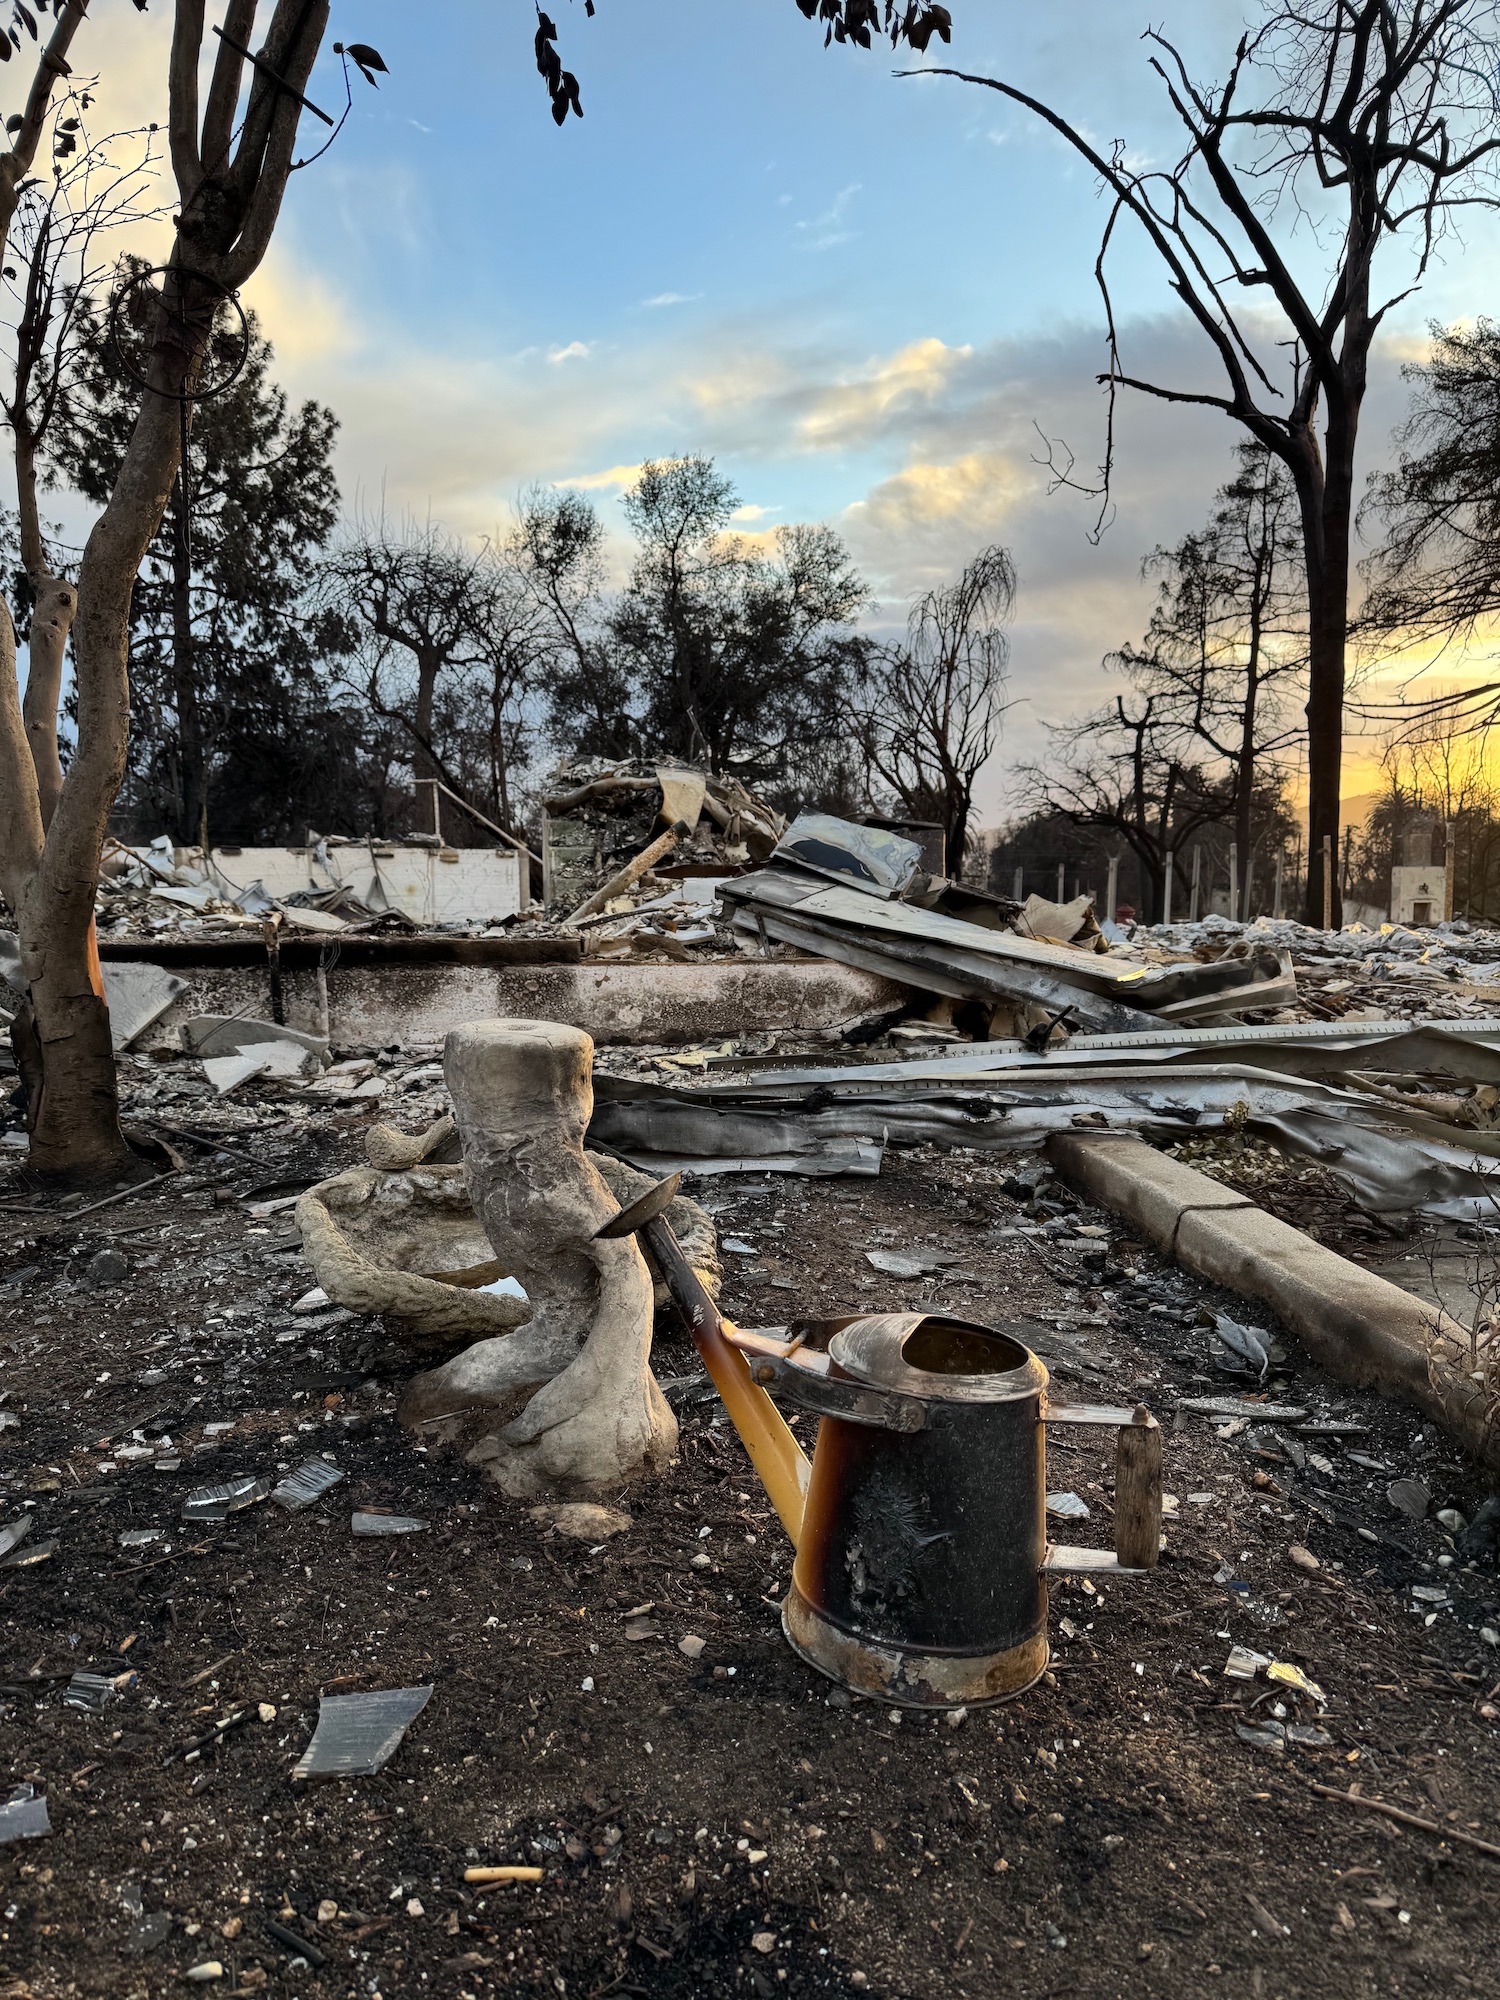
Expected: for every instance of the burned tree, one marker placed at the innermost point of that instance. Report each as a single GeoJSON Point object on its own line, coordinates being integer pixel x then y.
{"type": "Point", "coordinates": [445, 645]}
{"type": "Point", "coordinates": [28, 410]}
{"type": "Point", "coordinates": [741, 653]}
{"type": "Point", "coordinates": [932, 718]}
{"type": "Point", "coordinates": [556, 543]}
{"type": "Point", "coordinates": [1225, 653]}
{"type": "Point", "coordinates": [231, 157]}
{"type": "Point", "coordinates": [1201, 740]}
{"type": "Point", "coordinates": [1435, 579]}
{"type": "Point", "coordinates": [59, 228]}
{"type": "Point", "coordinates": [1134, 770]}
{"type": "Point", "coordinates": [1376, 116]}
{"type": "Point", "coordinates": [222, 639]}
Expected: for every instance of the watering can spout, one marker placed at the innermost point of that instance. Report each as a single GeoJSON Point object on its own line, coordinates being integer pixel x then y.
{"type": "Point", "coordinates": [780, 1462]}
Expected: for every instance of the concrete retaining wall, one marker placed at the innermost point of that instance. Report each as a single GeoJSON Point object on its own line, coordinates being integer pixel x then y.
{"type": "Point", "coordinates": [370, 1006]}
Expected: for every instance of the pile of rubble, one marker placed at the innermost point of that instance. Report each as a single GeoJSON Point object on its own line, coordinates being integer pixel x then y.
{"type": "Point", "coordinates": [1443, 972]}
{"type": "Point", "coordinates": [1042, 1024]}
{"type": "Point", "coordinates": [634, 855]}
{"type": "Point", "coordinates": [632, 858]}
{"type": "Point", "coordinates": [162, 888]}
{"type": "Point", "coordinates": [861, 895]}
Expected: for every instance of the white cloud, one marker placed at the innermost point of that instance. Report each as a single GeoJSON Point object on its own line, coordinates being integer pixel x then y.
{"type": "Point", "coordinates": [822, 232]}
{"type": "Point", "coordinates": [614, 480]}
{"type": "Point", "coordinates": [576, 350]}
{"type": "Point", "coordinates": [759, 399]}
{"type": "Point", "coordinates": [304, 319]}
{"type": "Point", "coordinates": [922, 454]}
{"type": "Point", "coordinates": [669, 299]}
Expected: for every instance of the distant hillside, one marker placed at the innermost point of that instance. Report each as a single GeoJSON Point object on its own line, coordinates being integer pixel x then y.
{"type": "Point", "coordinates": [1355, 811]}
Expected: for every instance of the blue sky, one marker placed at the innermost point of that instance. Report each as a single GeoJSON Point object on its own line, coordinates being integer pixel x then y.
{"type": "Point", "coordinates": [863, 295]}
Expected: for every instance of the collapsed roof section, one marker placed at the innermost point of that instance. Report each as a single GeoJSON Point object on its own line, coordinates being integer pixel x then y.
{"type": "Point", "coordinates": [859, 894]}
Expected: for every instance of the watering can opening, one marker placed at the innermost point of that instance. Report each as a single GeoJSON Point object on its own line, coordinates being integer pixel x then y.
{"type": "Point", "coordinates": [952, 1347]}
{"type": "Point", "coordinates": [934, 1356]}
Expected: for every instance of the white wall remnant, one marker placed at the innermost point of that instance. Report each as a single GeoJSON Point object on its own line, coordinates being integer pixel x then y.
{"type": "Point", "coordinates": [431, 885]}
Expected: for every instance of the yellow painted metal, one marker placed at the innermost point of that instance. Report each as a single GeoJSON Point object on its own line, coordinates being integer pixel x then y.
{"type": "Point", "coordinates": [780, 1462]}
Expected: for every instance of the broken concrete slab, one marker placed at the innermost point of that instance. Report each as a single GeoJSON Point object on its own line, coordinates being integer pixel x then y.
{"type": "Point", "coordinates": [227, 1073]}
{"type": "Point", "coordinates": [230, 1034]}
{"type": "Point", "coordinates": [278, 1058]}
{"type": "Point", "coordinates": [137, 991]}
{"type": "Point", "coordinates": [138, 996]}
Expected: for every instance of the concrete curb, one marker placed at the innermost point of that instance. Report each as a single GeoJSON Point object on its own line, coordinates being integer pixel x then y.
{"type": "Point", "coordinates": [1363, 1329]}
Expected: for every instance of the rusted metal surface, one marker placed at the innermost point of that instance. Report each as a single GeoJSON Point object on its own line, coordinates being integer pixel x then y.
{"type": "Point", "coordinates": [909, 1679]}
{"type": "Point", "coordinates": [654, 1202]}
{"type": "Point", "coordinates": [919, 1568]}
{"type": "Point", "coordinates": [823, 1395]}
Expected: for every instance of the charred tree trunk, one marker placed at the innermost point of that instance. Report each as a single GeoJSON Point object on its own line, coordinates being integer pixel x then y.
{"type": "Point", "coordinates": [192, 760]}
{"type": "Point", "coordinates": [76, 1125]}
{"type": "Point", "coordinates": [56, 602]}
{"type": "Point", "coordinates": [1328, 630]}
{"type": "Point", "coordinates": [49, 875]}
{"type": "Point", "coordinates": [425, 764]}
{"type": "Point", "coordinates": [1244, 780]}
{"type": "Point", "coordinates": [51, 623]}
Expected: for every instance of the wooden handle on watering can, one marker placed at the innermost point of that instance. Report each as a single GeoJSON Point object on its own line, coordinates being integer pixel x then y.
{"type": "Point", "coordinates": [1138, 1491]}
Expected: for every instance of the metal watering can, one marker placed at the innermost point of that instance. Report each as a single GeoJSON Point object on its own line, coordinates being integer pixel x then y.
{"type": "Point", "coordinates": [920, 1522]}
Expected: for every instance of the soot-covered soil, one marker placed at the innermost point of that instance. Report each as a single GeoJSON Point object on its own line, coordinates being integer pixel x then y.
{"type": "Point", "coordinates": [726, 1824]}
